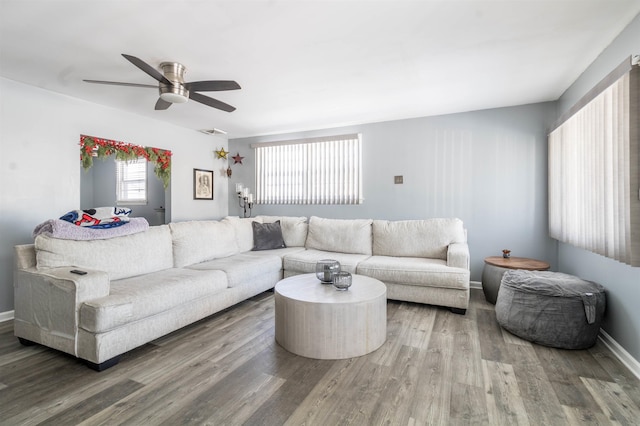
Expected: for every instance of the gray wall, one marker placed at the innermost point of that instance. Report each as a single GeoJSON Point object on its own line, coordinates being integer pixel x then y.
{"type": "Point", "coordinates": [486, 167]}
{"type": "Point", "coordinates": [622, 320]}
{"type": "Point", "coordinates": [40, 172]}
{"type": "Point", "coordinates": [98, 188]}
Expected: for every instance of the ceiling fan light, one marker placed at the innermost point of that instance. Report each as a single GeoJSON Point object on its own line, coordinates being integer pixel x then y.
{"type": "Point", "coordinates": [174, 98]}
{"type": "Point", "coordinates": [176, 93]}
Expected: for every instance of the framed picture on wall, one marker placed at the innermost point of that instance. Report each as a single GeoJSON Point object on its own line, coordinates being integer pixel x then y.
{"type": "Point", "coordinates": [202, 184]}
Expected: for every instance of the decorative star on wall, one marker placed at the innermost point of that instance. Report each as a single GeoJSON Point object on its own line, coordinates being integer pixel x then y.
{"type": "Point", "coordinates": [237, 159]}
{"type": "Point", "coordinates": [222, 153]}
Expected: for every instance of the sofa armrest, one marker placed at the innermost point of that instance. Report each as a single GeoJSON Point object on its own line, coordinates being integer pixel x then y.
{"type": "Point", "coordinates": [458, 255]}
{"type": "Point", "coordinates": [47, 303]}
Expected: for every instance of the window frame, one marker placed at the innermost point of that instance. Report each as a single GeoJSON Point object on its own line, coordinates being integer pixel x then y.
{"type": "Point", "coordinates": [121, 166]}
{"type": "Point", "coordinates": [325, 171]}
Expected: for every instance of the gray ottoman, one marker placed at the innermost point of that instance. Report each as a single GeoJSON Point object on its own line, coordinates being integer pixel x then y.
{"type": "Point", "coordinates": [551, 308]}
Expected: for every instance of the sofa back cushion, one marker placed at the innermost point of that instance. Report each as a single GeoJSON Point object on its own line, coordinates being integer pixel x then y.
{"type": "Point", "coordinates": [242, 227]}
{"type": "Point", "coordinates": [201, 240]}
{"type": "Point", "coordinates": [294, 229]}
{"type": "Point", "coordinates": [120, 257]}
{"type": "Point", "coordinates": [416, 238]}
{"type": "Point", "coordinates": [340, 235]}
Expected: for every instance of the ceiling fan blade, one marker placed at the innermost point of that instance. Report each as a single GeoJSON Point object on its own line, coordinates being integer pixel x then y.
{"type": "Point", "coordinates": [212, 85]}
{"type": "Point", "coordinates": [162, 104]}
{"type": "Point", "coordinates": [211, 102]}
{"type": "Point", "coordinates": [117, 83]}
{"type": "Point", "coordinates": [148, 69]}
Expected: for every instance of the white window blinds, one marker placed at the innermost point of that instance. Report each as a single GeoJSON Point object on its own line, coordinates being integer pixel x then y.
{"type": "Point", "coordinates": [310, 171]}
{"type": "Point", "coordinates": [593, 174]}
{"type": "Point", "coordinates": [131, 181]}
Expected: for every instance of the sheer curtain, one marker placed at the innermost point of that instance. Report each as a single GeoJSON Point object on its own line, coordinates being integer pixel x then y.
{"type": "Point", "coordinates": [594, 198]}
{"type": "Point", "coordinates": [310, 171]}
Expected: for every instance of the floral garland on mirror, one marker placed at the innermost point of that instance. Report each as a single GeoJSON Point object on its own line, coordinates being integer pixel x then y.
{"type": "Point", "coordinates": [102, 148]}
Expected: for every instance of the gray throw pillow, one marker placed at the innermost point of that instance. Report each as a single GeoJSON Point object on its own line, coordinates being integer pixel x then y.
{"type": "Point", "coordinates": [267, 236]}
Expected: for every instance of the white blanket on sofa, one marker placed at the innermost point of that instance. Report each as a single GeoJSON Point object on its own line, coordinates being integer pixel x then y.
{"type": "Point", "coordinates": [62, 229]}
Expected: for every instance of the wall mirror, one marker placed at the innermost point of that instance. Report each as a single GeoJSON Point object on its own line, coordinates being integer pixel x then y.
{"type": "Point", "coordinates": [98, 180]}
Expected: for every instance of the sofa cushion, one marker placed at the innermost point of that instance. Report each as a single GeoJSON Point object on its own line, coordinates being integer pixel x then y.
{"type": "Point", "coordinates": [416, 238]}
{"type": "Point", "coordinates": [281, 253]}
{"type": "Point", "coordinates": [200, 240]}
{"type": "Point", "coordinates": [243, 228]}
{"type": "Point", "coordinates": [294, 229]}
{"type": "Point", "coordinates": [135, 298]}
{"type": "Point", "coordinates": [267, 236]}
{"type": "Point", "coordinates": [304, 262]}
{"type": "Point", "coordinates": [120, 257]}
{"type": "Point", "coordinates": [415, 271]}
{"type": "Point", "coordinates": [242, 268]}
{"type": "Point", "coordinates": [340, 235]}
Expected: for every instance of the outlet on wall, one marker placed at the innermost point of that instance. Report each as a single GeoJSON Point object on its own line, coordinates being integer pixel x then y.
{"type": "Point", "coordinates": [398, 180]}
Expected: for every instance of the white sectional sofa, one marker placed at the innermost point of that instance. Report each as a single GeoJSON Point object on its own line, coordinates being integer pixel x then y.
{"type": "Point", "coordinates": [142, 286]}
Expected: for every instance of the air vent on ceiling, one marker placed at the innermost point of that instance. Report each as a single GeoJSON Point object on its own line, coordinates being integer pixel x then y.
{"type": "Point", "coordinates": [213, 131]}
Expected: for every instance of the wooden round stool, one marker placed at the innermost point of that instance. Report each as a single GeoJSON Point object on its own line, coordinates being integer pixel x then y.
{"type": "Point", "coordinates": [496, 266]}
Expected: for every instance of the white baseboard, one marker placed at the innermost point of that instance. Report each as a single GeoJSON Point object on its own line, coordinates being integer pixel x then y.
{"type": "Point", "coordinates": [6, 316]}
{"type": "Point", "coordinates": [625, 357]}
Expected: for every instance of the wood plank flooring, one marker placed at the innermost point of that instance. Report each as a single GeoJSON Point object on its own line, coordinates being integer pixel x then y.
{"type": "Point", "coordinates": [436, 368]}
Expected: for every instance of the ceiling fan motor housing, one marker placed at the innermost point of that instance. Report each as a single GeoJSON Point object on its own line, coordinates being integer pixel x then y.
{"type": "Point", "coordinates": [175, 93]}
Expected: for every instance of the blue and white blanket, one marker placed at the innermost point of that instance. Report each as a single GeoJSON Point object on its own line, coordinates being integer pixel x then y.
{"type": "Point", "coordinates": [99, 218]}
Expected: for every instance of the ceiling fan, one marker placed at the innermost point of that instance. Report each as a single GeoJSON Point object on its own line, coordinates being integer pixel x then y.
{"type": "Point", "coordinates": [173, 88]}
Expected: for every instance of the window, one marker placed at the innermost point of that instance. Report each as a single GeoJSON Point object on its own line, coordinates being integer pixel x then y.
{"type": "Point", "coordinates": [594, 162]}
{"type": "Point", "coordinates": [131, 181]}
{"type": "Point", "coordinates": [310, 171]}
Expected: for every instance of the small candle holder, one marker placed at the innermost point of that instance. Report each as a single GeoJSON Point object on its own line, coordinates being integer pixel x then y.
{"type": "Point", "coordinates": [326, 269]}
{"type": "Point", "coordinates": [245, 199]}
{"type": "Point", "coordinates": [342, 281]}
{"type": "Point", "coordinates": [506, 253]}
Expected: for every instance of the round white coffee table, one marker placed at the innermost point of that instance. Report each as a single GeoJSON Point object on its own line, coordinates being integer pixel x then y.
{"type": "Point", "coordinates": [315, 320]}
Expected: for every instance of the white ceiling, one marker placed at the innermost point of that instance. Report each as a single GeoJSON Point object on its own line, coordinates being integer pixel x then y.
{"type": "Point", "coordinates": [311, 64]}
